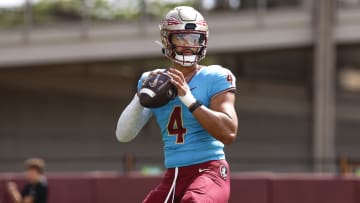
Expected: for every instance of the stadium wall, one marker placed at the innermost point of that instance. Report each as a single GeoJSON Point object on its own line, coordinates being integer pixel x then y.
{"type": "Point", "coordinates": [249, 188]}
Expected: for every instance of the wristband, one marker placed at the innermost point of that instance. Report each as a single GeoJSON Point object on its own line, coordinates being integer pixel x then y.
{"type": "Point", "coordinates": [194, 106]}
{"type": "Point", "coordinates": [188, 99]}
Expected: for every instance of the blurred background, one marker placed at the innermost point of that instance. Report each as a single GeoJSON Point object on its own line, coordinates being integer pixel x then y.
{"type": "Point", "coordinates": [69, 67]}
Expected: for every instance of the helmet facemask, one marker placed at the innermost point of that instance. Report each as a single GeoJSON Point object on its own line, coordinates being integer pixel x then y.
{"type": "Point", "coordinates": [186, 47]}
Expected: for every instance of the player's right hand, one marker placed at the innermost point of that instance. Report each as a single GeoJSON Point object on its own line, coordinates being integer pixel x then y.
{"type": "Point", "coordinates": [178, 79]}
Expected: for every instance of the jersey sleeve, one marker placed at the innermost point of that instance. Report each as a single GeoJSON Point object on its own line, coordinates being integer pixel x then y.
{"type": "Point", "coordinates": [222, 80]}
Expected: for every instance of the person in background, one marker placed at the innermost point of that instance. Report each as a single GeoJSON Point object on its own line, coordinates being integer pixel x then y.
{"type": "Point", "coordinates": [36, 189]}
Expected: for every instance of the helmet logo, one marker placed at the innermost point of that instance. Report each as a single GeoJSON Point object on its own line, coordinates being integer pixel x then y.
{"type": "Point", "coordinates": [201, 23]}
{"type": "Point", "coordinates": [172, 21]}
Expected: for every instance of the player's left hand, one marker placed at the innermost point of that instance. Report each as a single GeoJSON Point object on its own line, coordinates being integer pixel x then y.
{"type": "Point", "coordinates": [179, 81]}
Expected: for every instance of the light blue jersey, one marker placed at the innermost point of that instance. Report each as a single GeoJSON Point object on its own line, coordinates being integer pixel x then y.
{"type": "Point", "coordinates": [186, 142]}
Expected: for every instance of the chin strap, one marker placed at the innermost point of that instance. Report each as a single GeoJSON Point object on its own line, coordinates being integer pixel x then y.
{"type": "Point", "coordinates": [185, 60]}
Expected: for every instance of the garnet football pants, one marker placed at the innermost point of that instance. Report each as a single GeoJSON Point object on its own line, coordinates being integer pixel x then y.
{"type": "Point", "coordinates": [207, 182]}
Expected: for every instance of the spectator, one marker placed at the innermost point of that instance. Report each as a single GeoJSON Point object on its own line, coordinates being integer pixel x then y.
{"type": "Point", "coordinates": [35, 191]}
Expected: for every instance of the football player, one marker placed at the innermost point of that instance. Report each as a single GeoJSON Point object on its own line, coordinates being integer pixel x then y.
{"type": "Point", "coordinates": [197, 124]}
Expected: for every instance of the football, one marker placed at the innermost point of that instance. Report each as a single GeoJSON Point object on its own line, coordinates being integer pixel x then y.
{"type": "Point", "coordinates": [156, 91]}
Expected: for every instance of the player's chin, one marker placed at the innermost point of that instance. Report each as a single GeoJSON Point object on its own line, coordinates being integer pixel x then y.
{"type": "Point", "coordinates": [188, 53]}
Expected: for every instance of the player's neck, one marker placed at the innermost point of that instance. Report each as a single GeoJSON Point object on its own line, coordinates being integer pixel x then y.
{"type": "Point", "coordinates": [186, 70]}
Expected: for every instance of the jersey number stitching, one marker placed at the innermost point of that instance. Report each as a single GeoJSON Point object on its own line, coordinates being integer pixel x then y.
{"type": "Point", "coordinates": [175, 126]}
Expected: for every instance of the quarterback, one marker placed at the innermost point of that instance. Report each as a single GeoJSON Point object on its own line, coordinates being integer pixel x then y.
{"type": "Point", "coordinates": [197, 123]}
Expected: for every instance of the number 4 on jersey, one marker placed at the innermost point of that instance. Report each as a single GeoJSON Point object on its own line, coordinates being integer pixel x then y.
{"type": "Point", "coordinates": [175, 125]}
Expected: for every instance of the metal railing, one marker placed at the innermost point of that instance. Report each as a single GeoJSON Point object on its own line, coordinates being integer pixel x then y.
{"type": "Point", "coordinates": [83, 15]}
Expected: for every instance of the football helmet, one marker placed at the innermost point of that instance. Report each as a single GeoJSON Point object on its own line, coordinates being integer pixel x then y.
{"type": "Point", "coordinates": [188, 28]}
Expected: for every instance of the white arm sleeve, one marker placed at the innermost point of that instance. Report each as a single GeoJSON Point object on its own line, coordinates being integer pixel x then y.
{"type": "Point", "coordinates": [132, 120]}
